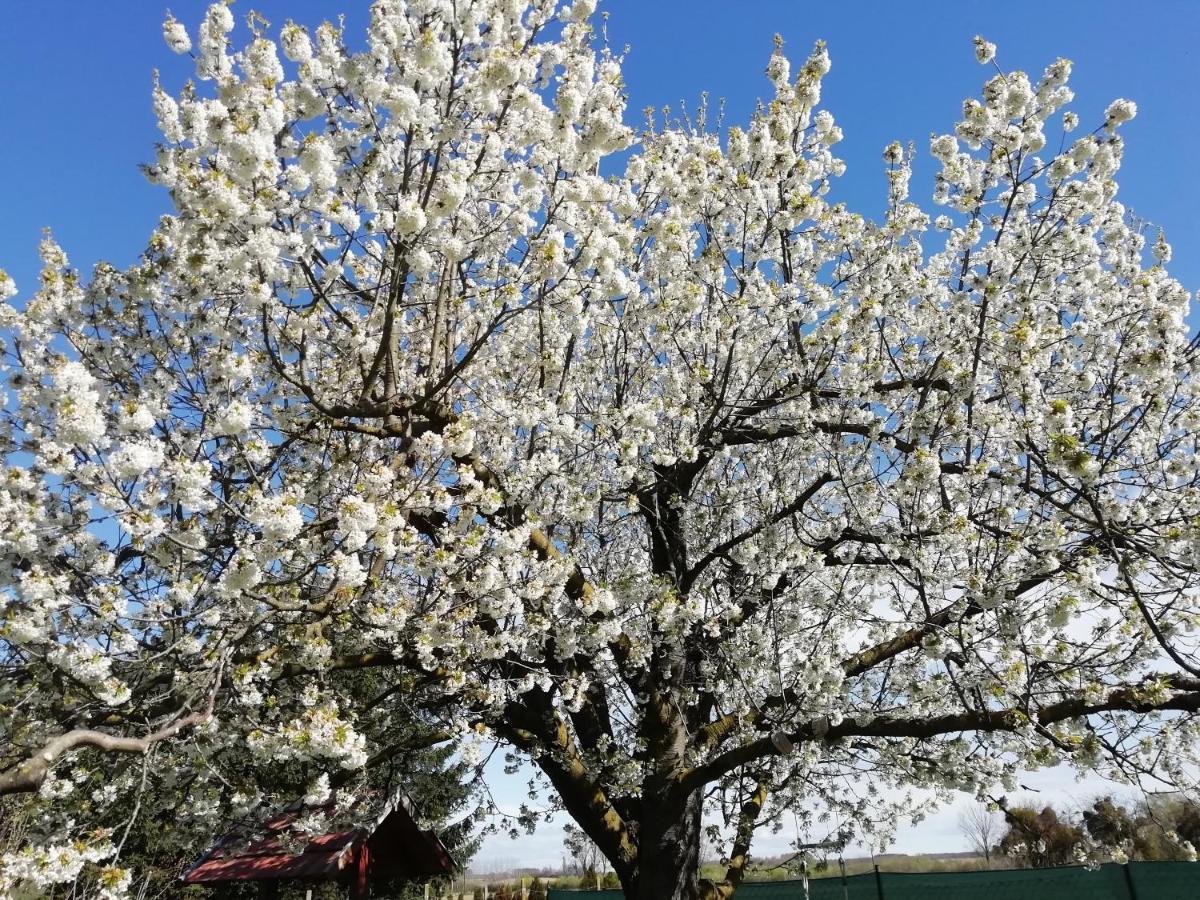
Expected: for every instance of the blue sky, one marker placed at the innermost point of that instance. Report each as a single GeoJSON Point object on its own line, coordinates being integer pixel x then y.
{"type": "Point", "coordinates": [75, 79]}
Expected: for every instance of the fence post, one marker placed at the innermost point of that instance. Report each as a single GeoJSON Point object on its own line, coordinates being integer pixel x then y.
{"type": "Point", "coordinates": [1129, 882]}
{"type": "Point", "coordinates": [878, 882]}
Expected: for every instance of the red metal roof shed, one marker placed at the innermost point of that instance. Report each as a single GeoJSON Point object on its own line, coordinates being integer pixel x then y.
{"type": "Point", "coordinates": [389, 844]}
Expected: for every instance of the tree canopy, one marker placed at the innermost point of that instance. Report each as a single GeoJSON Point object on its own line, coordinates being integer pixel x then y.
{"type": "Point", "coordinates": [629, 450]}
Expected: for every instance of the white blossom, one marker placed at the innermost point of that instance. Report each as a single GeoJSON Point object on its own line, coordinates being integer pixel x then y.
{"type": "Point", "coordinates": [1120, 111]}
{"type": "Point", "coordinates": [133, 458]}
{"type": "Point", "coordinates": [296, 44]}
{"type": "Point", "coordinates": [176, 35]}
{"type": "Point", "coordinates": [80, 415]}
{"type": "Point", "coordinates": [985, 51]}
{"type": "Point", "coordinates": [234, 419]}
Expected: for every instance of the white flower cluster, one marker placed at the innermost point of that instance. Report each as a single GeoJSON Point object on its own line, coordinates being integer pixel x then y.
{"type": "Point", "coordinates": [80, 413]}
{"type": "Point", "coordinates": [1119, 112]}
{"type": "Point", "coordinates": [176, 36]}
{"type": "Point", "coordinates": [8, 287]}
{"type": "Point", "coordinates": [136, 457]}
{"type": "Point", "coordinates": [319, 733]}
{"type": "Point", "coordinates": [233, 419]}
{"type": "Point", "coordinates": [985, 51]}
{"type": "Point", "coordinates": [278, 518]}
{"type": "Point", "coordinates": [36, 871]}
{"type": "Point", "coordinates": [91, 667]}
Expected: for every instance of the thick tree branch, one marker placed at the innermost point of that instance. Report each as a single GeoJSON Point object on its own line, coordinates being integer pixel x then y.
{"type": "Point", "coordinates": [546, 738]}
{"type": "Point", "coordinates": [28, 775]}
{"type": "Point", "coordinates": [739, 855]}
{"type": "Point", "coordinates": [788, 509]}
{"type": "Point", "coordinates": [1139, 698]}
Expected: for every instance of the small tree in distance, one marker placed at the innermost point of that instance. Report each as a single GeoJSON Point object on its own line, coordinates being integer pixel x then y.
{"type": "Point", "coordinates": [586, 859]}
{"type": "Point", "coordinates": [982, 828]}
{"type": "Point", "coordinates": [632, 451]}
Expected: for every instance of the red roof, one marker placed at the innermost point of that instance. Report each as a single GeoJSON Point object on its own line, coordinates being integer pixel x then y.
{"type": "Point", "coordinates": [397, 847]}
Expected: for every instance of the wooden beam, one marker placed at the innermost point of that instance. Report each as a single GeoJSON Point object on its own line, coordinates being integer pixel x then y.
{"type": "Point", "coordinates": [362, 885]}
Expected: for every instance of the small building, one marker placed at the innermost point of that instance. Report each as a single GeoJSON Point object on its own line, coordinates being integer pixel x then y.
{"type": "Point", "coordinates": [380, 843]}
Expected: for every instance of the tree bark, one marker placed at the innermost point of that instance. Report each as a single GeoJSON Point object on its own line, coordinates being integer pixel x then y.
{"type": "Point", "coordinates": [668, 860]}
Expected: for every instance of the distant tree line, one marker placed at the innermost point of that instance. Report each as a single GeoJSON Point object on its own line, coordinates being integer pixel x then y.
{"type": "Point", "coordinates": [1160, 828]}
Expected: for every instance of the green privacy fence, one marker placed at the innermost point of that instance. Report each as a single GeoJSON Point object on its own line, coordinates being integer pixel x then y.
{"type": "Point", "coordinates": [1134, 881]}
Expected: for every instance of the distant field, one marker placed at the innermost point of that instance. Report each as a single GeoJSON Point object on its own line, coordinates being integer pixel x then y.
{"type": "Point", "coordinates": [771, 870]}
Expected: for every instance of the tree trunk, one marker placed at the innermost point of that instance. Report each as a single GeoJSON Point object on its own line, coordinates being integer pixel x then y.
{"type": "Point", "coordinates": [668, 862]}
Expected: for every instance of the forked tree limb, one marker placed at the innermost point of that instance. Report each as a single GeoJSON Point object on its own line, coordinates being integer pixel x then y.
{"type": "Point", "coordinates": [29, 775]}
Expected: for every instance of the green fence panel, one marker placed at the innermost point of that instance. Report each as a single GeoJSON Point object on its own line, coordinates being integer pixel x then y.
{"type": "Point", "coordinates": [1151, 880]}
{"type": "Point", "coordinates": [1137, 881]}
{"type": "Point", "coordinates": [1074, 883]}
{"type": "Point", "coordinates": [855, 887]}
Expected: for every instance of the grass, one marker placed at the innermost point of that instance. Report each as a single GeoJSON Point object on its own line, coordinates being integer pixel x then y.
{"type": "Point", "coordinates": [766, 872]}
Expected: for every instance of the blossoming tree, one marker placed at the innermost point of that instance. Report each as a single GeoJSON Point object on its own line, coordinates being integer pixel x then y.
{"type": "Point", "coordinates": [702, 493]}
